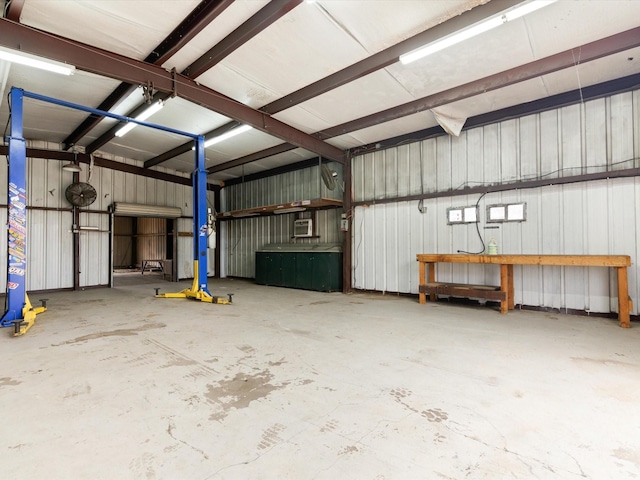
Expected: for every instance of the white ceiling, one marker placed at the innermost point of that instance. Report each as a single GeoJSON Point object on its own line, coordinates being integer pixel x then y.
{"type": "Point", "coordinates": [312, 41]}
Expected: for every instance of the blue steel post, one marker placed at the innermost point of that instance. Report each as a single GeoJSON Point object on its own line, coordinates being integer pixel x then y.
{"type": "Point", "coordinates": [200, 216]}
{"type": "Point", "coordinates": [17, 218]}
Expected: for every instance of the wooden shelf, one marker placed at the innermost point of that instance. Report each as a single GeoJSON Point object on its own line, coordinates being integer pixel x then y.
{"type": "Point", "coordinates": [282, 208]}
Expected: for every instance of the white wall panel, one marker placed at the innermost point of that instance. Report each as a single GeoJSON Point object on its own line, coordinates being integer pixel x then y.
{"type": "Point", "coordinates": [49, 219]}
{"type": "Point", "coordinates": [244, 236]}
{"type": "Point", "coordinates": [94, 250]}
{"type": "Point", "coordinates": [598, 217]}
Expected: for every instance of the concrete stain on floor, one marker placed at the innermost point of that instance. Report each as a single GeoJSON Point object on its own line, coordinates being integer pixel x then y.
{"type": "Point", "coordinates": [240, 391]}
{"type": "Point", "coordinates": [8, 381]}
{"type": "Point", "coordinates": [122, 332]}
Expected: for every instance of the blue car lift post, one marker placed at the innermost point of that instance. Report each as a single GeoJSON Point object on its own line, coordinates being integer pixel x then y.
{"type": "Point", "coordinates": [19, 312]}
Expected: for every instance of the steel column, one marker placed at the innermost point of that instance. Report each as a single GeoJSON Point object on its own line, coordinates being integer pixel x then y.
{"type": "Point", "coordinates": [200, 216]}
{"type": "Point", "coordinates": [19, 312]}
{"type": "Point", "coordinates": [17, 219]}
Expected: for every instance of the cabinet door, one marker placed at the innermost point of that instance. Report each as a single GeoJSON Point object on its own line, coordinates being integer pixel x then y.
{"type": "Point", "coordinates": [288, 269]}
{"type": "Point", "coordinates": [263, 262]}
{"type": "Point", "coordinates": [327, 274]}
{"type": "Point", "coordinates": [304, 270]}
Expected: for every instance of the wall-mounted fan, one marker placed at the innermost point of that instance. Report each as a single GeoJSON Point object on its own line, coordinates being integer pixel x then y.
{"type": "Point", "coordinates": [330, 178]}
{"type": "Point", "coordinates": [80, 194]}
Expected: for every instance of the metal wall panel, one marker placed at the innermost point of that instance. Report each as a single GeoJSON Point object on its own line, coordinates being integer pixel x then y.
{"type": "Point", "coordinates": [49, 219]}
{"type": "Point", "coordinates": [599, 217]}
{"type": "Point", "coordinates": [243, 237]}
{"type": "Point", "coordinates": [94, 250]}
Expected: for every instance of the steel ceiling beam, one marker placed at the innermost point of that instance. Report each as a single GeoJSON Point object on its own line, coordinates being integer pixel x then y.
{"type": "Point", "coordinates": [13, 9]}
{"type": "Point", "coordinates": [390, 55]}
{"type": "Point", "coordinates": [270, 13]}
{"type": "Point", "coordinates": [185, 147]}
{"type": "Point", "coordinates": [569, 58]}
{"type": "Point", "coordinates": [109, 64]}
{"type": "Point", "coordinates": [258, 22]}
{"type": "Point", "coordinates": [573, 97]}
{"type": "Point", "coordinates": [586, 53]}
{"type": "Point", "coordinates": [269, 152]}
{"type": "Point", "coordinates": [365, 67]}
{"type": "Point", "coordinates": [194, 23]}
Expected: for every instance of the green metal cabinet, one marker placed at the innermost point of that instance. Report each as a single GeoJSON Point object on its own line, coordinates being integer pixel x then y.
{"type": "Point", "coordinates": [309, 267]}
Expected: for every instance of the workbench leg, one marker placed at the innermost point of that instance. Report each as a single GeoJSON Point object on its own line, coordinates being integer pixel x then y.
{"type": "Point", "coordinates": [422, 280]}
{"type": "Point", "coordinates": [511, 298]}
{"type": "Point", "coordinates": [504, 287]}
{"type": "Point", "coordinates": [432, 278]}
{"type": "Point", "coordinates": [623, 297]}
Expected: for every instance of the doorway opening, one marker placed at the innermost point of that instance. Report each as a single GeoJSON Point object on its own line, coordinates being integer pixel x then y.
{"type": "Point", "coordinates": [144, 249]}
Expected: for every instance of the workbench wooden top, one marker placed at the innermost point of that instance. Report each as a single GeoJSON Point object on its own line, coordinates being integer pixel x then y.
{"type": "Point", "coordinates": [560, 260]}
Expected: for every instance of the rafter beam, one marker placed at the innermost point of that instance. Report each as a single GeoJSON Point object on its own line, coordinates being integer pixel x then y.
{"type": "Point", "coordinates": [14, 9]}
{"type": "Point", "coordinates": [194, 23]}
{"type": "Point", "coordinates": [269, 152]}
{"type": "Point", "coordinates": [245, 32]}
{"type": "Point", "coordinates": [109, 64]}
{"type": "Point", "coordinates": [588, 52]}
{"type": "Point", "coordinates": [368, 65]}
{"type": "Point", "coordinates": [258, 22]}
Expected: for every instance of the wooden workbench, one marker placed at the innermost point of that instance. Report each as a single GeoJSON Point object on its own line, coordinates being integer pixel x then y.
{"type": "Point", "coordinates": [428, 284]}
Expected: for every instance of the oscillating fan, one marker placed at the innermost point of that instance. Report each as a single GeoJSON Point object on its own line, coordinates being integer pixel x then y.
{"type": "Point", "coordinates": [80, 194]}
{"type": "Point", "coordinates": [328, 177]}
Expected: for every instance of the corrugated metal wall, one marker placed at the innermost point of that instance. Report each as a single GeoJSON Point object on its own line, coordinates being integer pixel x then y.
{"type": "Point", "coordinates": [599, 217]}
{"type": "Point", "coordinates": [50, 240]}
{"type": "Point", "coordinates": [243, 237]}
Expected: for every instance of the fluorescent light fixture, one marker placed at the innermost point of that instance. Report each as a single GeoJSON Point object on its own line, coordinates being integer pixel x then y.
{"type": "Point", "coordinates": [244, 215]}
{"type": "Point", "coordinates": [29, 60]}
{"type": "Point", "coordinates": [290, 210]}
{"type": "Point", "coordinates": [226, 136]}
{"type": "Point", "coordinates": [472, 31]}
{"type": "Point", "coordinates": [153, 108]}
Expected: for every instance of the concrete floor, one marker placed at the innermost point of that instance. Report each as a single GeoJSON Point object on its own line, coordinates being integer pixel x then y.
{"type": "Point", "coordinates": [287, 384]}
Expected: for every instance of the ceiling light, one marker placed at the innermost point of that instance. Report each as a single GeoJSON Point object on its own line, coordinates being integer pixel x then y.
{"type": "Point", "coordinates": [477, 29]}
{"type": "Point", "coordinates": [227, 135]}
{"type": "Point", "coordinates": [153, 108]}
{"type": "Point", "coordinates": [29, 60]}
{"type": "Point", "coordinates": [71, 167]}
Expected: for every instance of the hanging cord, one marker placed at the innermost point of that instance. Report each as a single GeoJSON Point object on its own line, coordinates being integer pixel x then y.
{"type": "Point", "coordinates": [90, 168]}
{"type": "Point", "coordinates": [477, 230]}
